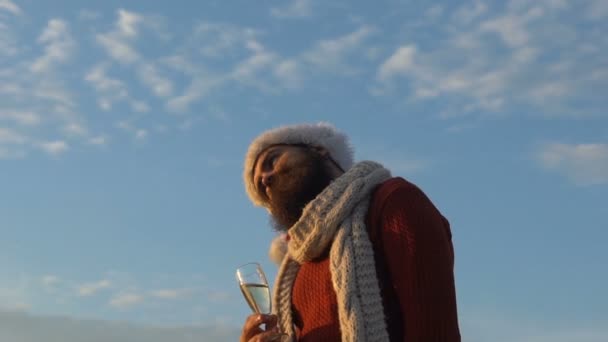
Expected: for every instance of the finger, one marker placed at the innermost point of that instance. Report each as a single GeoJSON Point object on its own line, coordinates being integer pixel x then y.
{"type": "Point", "coordinates": [252, 325]}
{"type": "Point", "coordinates": [251, 328]}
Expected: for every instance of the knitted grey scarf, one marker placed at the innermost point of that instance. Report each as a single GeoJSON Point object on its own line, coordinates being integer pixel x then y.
{"type": "Point", "coordinates": [336, 218]}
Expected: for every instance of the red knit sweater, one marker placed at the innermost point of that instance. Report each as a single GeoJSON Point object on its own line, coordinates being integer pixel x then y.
{"type": "Point", "coordinates": [414, 262]}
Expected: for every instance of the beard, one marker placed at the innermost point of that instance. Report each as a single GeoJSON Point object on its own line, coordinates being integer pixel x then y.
{"type": "Point", "coordinates": [295, 188]}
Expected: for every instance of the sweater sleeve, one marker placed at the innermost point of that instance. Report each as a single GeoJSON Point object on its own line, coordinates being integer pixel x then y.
{"type": "Point", "coordinates": [419, 258]}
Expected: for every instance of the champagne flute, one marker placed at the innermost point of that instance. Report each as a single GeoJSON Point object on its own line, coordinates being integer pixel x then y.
{"type": "Point", "coordinates": [254, 286]}
{"type": "Point", "coordinates": [253, 283]}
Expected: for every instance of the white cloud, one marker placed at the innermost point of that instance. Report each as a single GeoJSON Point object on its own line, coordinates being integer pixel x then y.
{"type": "Point", "coordinates": [117, 48]}
{"type": "Point", "coordinates": [171, 293]}
{"type": "Point", "coordinates": [127, 22]}
{"type": "Point", "coordinates": [511, 28]}
{"type": "Point", "coordinates": [98, 77]}
{"type": "Point", "coordinates": [59, 45]}
{"type": "Point", "coordinates": [150, 76]}
{"type": "Point", "coordinates": [98, 140]}
{"type": "Point", "coordinates": [469, 12]}
{"type": "Point", "coordinates": [260, 59]}
{"type": "Point", "coordinates": [21, 117]}
{"type": "Point", "coordinates": [76, 129]}
{"type": "Point", "coordinates": [141, 134]}
{"type": "Point", "coordinates": [289, 73]}
{"type": "Point", "coordinates": [24, 327]}
{"type": "Point", "coordinates": [50, 280]}
{"type": "Point", "coordinates": [126, 300]}
{"type": "Point", "coordinates": [214, 40]}
{"type": "Point", "coordinates": [90, 289]}
{"type": "Point", "coordinates": [140, 106]}
{"type": "Point", "coordinates": [55, 147]}
{"type": "Point", "coordinates": [8, 136]}
{"type": "Point", "coordinates": [110, 90]}
{"type": "Point", "coordinates": [52, 91]}
{"type": "Point", "coordinates": [199, 88]}
{"type": "Point", "coordinates": [398, 64]}
{"type": "Point", "coordinates": [117, 42]}
{"type": "Point", "coordinates": [585, 164]}
{"type": "Point", "coordinates": [330, 53]}
{"type": "Point", "coordinates": [10, 6]}
{"type": "Point", "coordinates": [296, 9]}
{"type": "Point", "coordinates": [485, 61]}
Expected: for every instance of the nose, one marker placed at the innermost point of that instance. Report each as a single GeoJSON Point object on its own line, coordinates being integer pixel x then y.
{"type": "Point", "coordinates": [267, 179]}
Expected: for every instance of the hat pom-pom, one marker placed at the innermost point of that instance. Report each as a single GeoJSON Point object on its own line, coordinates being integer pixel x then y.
{"type": "Point", "coordinates": [278, 248]}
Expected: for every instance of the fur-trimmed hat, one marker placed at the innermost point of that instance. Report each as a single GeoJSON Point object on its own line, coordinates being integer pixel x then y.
{"type": "Point", "coordinates": [320, 135]}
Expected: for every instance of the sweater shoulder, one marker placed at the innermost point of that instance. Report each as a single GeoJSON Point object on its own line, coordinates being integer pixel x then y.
{"type": "Point", "coordinates": [390, 187]}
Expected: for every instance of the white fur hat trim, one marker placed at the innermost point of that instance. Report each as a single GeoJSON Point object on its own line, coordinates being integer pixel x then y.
{"type": "Point", "coordinates": [321, 134]}
{"type": "Point", "coordinates": [278, 249]}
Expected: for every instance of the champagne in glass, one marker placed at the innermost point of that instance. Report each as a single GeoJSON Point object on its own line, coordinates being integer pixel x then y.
{"type": "Point", "coordinates": [254, 286]}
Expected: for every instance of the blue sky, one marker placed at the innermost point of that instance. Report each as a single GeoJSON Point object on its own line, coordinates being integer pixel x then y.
{"type": "Point", "coordinates": [123, 126]}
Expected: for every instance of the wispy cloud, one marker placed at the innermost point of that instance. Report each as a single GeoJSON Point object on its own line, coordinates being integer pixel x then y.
{"type": "Point", "coordinates": [138, 133]}
{"type": "Point", "coordinates": [488, 59]}
{"type": "Point", "coordinates": [117, 43]}
{"type": "Point", "coordinates": [151, 77]}
{"type": "Point", "coordinates": [260, 59]}
{"type": "Point", "coordinates": [8, 136]}
{"type": "Point", "coordinates": [126, 300]}
{"type": "Point", "coordinates": [90, 289]}
{"type": "Point", "coordinates": [330, 54]}
{"type": "Point", "coordinates": [219, 40]}
{"type": "Point", "coordinates": [584, 164]}
{"type": "Point", "coordinates": [98, 140]}
{"type": "Point", "coordinates": [109, 90]}
{"type": "Point", "coordinates": [295, 9]}
{"type": "Point", "coordinates": [55, 147]}
{"type": "Point", "coordinates": [21, 117]}
{"type": "Point", "coordinates": [58, 43]}
{"type": "Point", "coordinates": [469, 12]}
{"type": "Point", "coordinates": [399, 63]}
{"type": "Point", "coordinates": [171, 293]}
{"type": "Point", "coordinates": [50, 281]}
{"type": "Point", "coordinates": [10, 6]}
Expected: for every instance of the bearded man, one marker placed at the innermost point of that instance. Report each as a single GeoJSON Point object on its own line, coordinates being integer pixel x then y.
{"type": "Point", "coordinates": [364, 256]}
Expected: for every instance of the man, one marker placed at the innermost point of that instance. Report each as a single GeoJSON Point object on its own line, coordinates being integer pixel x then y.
{"type": "Point", "coordinates": [367, 257]}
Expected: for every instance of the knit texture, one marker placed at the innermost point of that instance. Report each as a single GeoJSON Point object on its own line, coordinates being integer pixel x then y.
{"type": "Point", "coordinates": [414, 265]}
{"type": "Point", "coordinates": [336, 219]}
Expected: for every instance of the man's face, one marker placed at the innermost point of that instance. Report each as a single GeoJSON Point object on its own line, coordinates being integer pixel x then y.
{"type": "Point", "coordinates": [287, 177]}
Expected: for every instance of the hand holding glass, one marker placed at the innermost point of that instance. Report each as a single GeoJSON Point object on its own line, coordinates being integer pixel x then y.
{"type": "Point", "coordinates": [254, 286]}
